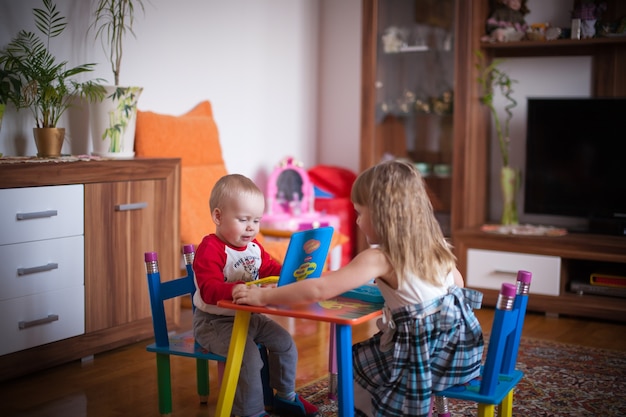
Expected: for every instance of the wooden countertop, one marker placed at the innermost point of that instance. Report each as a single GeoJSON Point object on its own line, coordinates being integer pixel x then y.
{"type": "Point", "coordinates": [31, 172]}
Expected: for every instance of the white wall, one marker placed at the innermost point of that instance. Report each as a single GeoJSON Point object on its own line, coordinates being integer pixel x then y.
{"type": "Point", "coordinates": [258, 61]}
{"type": "Point", "coordinates": [340, 83]}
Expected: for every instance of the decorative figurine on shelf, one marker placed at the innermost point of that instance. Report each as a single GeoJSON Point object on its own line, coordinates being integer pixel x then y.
{"type": "Point", "coordinates": [394, 39]}
{"type": "Point", "coordinates": [507, 23]}
{"type": "Point", "coordinates": [588, 11]}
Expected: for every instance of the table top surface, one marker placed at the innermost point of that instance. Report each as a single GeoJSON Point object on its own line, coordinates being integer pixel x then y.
{"type": "Point", "coordinates": [338, 310]}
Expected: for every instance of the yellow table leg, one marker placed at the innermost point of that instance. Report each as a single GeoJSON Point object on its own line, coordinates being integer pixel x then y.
{"type": "Point", "coordinates": [506, 406]}
{"type": "Point", "coordinates": [486, 410]}
{"type": "Point", "coordinates": [233, 364]}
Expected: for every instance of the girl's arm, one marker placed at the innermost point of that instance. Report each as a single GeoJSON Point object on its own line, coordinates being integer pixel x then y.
{"type": "Point", "coordinates": [371, 263]}
{"type": "Point", "coordinates": [458, 278]}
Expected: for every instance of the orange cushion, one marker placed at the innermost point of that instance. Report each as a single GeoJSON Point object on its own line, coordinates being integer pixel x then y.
{"type": "Point", "coordinates": [192, 137]}
{"type": "Point", "coordinates": [196, 184]}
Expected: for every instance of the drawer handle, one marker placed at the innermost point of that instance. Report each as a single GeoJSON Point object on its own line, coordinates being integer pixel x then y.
{"type": "Point", "coordinates": [26, 324]}
{"type": "Point", "coordinates": [36, 269]}
{"type": "Point", "coordinates": [505, 271]}
{"type": "Point", "coordinates": [37, 215]}
{"type": "Point", "coordinates": [131, 206]}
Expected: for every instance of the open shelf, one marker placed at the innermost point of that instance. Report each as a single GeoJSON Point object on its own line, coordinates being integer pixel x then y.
{"type": "Point", "coordinates": [558, 47]}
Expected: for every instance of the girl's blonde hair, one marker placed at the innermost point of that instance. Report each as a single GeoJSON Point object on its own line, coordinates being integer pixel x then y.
{"type": "Point", "coordinates": [402, 217]}
{"type": "Point", "coordinates": [230, 187]}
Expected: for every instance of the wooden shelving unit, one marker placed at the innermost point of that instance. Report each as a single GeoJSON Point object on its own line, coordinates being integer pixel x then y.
{"type": "Point", "coordinates": [470, 163]}
{"type": "Point", "coordinates": [608, 68]}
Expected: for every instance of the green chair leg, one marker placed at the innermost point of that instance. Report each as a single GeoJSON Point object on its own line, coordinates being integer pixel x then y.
{"type": "Point", "coordinates": [164, 384]}
{"type": "Point", "coordinates": [202, 374]}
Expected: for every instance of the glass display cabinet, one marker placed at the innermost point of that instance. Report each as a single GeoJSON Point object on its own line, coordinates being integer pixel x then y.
{"type": "Point", "coordinates": [408, 83]}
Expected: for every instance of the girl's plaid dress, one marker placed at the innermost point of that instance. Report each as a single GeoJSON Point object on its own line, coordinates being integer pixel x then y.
{"type": "Point", "coordinates": [432, 346]}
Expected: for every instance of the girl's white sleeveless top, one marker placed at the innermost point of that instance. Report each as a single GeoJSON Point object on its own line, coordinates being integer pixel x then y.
{"type": "Point", "coordinates": [413, 291]}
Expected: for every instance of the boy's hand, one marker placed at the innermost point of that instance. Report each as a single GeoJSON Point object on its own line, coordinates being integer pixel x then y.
{"type": "Point", "coordinates": [245, 294]}
{"type": "Point", "coordinates": [235, 290]}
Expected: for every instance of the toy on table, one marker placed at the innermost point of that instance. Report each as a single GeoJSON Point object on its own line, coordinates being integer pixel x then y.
{"type": "Point", "coordinates": [368, 293]}
{"type": "Point", "coordinates": [506, 23]}
{"type": "Point", "coordinates": [305, 257]}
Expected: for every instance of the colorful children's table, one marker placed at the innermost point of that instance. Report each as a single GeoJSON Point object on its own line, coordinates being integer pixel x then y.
{"type": "Point", "coordinates": [341, 311]}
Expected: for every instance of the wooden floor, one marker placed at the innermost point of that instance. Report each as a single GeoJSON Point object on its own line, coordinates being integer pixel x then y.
{"type": "Point", "coordinates": [122, 382]}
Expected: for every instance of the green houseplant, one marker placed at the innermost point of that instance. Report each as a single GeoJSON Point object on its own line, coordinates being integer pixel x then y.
{"type": "Point", "coordinates": [47, 87]}
{"type": "Point", "coordinates": [10, 86]}
{"type": "Point", "coordinates": [491, 79]}
{"type": "Point", "coordinates": [113, 119]}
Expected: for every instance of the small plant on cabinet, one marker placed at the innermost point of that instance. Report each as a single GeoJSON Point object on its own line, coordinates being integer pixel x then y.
{"type": "Point", "coordinates": [491, 79]}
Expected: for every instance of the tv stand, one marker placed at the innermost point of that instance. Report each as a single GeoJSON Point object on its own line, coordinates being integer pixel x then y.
{"type": "Point", "coordinates": [575, 256]}
{"type": "Point", "coordinates": [605, 226]}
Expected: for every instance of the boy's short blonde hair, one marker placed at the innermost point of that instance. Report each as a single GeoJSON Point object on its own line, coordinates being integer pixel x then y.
{"type": "Point", "coordinates": [230, 187]}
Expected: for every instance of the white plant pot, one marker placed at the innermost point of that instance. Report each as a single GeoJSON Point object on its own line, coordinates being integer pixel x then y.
{"type": "Point", "coordinates": [113, 122]}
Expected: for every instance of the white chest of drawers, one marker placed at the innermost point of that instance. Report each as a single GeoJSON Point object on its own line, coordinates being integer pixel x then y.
{"type": "Point", "coordinates": [490, 269]}
{"type": "Point", "coordinates": [42, 297]}
{"type": "Point", "coordinates": [82, 261]}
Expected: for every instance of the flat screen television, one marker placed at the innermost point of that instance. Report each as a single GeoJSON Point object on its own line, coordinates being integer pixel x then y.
{"type": "Point", "coordinates": [576, 161]}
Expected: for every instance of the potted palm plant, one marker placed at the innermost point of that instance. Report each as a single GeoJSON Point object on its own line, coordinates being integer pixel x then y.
{"type": "Point", "coordinates": [491, 79]}
{"type": "Point", "coordinates": [113, 119]}
{"type": "Point", "coordinates": [46, 87]}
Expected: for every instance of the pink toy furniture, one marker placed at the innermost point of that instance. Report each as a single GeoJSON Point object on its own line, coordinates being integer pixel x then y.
{"type": "Point", "coordinates": [290, 201]}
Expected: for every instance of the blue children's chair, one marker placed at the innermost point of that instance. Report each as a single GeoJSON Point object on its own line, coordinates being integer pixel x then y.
{"type": "Point", "coordinates": [498, 376]}
{"type": "Point", "coordinates": [181, 344]}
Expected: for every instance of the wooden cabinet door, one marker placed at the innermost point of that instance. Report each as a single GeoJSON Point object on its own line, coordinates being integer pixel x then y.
{"type": "Point", "coordinates": [122, 221]}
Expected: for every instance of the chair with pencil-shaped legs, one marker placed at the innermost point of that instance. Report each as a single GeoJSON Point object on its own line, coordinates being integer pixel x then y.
{"type": "Point", "coordinates": [167, 344]}
{"type": "Point", "coordinates": [498, 377]}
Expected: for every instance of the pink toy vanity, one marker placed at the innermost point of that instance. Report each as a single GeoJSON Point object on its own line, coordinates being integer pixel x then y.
{"type": "Point", "coordinates": [290, 201]}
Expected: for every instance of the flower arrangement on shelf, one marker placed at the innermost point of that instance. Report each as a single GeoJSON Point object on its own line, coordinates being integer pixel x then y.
{"type": "Point", "coordinates": [440, 105]}
{"type": "Point", "coordinates": [491, 78]}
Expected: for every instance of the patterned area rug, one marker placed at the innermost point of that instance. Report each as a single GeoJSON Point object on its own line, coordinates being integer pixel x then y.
{"type": "Point", "coordinates": [560, 380]}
